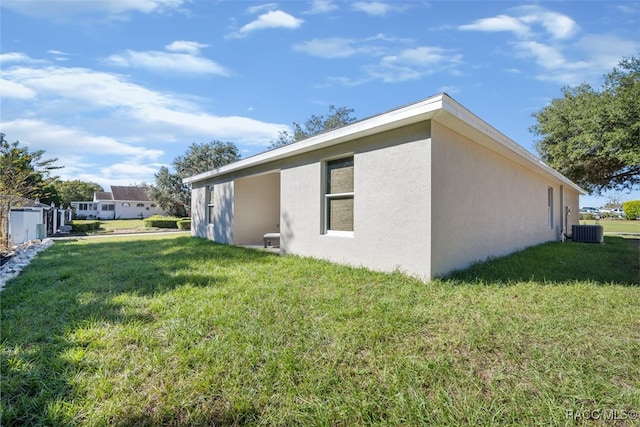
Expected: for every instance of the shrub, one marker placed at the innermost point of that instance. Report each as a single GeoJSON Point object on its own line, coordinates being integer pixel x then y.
{"type": "Point", "coordinates": [81, 226]}
{"type": "Point", "coordinates": [587, 217]}
{"type": "Point", "coordinates": [184, 224]}
{"type": "Point", "coordinates": [158, 221]}
{"type": "Point", "coordinates": [631, 209]}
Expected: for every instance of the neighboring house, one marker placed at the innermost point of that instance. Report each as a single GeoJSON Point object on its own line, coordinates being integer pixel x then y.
{"type": "Point", "coordinates": [427, 188]}
{"type": "Point", "coordinates": [120, 203]}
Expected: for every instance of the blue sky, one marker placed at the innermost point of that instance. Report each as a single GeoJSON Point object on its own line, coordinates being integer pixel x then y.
{"type": "Point", "coordinates": [117, 88]}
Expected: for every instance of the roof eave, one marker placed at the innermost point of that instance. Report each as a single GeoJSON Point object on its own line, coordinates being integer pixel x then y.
{"type": "Point", "coordinates": [400, 117]}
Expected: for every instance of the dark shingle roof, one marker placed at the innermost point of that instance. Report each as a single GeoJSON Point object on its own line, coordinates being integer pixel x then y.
{"type": "Point", "coordinates": [103, 195]}
{"type": "Point", "coordinates": [129, 193]}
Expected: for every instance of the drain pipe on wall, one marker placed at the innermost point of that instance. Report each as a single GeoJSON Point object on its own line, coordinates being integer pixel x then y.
{"type": "Point", "coordinates": [567, 212]}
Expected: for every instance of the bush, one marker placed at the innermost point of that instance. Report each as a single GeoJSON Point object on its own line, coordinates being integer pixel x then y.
{"type": "Point", "coordinates": [158, 221]}
{"type": "Point", "coordinates": [587, 217]}
{"type": "Point", "coordinates": [631, 209]}
{"type": "Point", "coordinates": [80, 226]}
{"type": "Point", "coordinates": [184, 224]}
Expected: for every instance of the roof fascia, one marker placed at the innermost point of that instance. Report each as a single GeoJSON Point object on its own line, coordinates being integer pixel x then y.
{"type": "Point", "coordinates": [400, 117]}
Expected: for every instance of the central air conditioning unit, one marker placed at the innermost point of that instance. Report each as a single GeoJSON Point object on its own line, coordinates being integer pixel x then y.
{"type": "Point", "coordinates": [587, 233]}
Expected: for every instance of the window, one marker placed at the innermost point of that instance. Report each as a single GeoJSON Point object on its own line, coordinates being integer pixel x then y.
{"type": "Point", "coordinates": [210, 205]}
{"type": "Point", "coordinates": [110, 208]}
{"type": "Point", "coordinates": [338, 195]}
{"type": "Point", "coordinates": [125, 205]}
{"type": "Point", "coordinates": [140, 205]}
{"type": "Point", "coordinates": [87, 207]}
{"type": "Point", "coordinates": [550, 207]}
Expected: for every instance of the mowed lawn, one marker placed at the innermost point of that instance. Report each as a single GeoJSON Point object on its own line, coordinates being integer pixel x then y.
{"type": "Point", "coordinates": [173, 330]}
{"type": "Point", "coordinates": [615, 225]}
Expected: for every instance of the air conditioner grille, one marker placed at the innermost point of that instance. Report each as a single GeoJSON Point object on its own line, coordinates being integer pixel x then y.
{"type": "Point", "coordinates": [587, 233]}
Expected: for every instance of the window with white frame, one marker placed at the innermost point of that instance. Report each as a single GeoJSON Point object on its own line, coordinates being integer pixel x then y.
{"type": "Point", "coordinates": [338, 195]}
{"type": "Point", "coordinates": [87, 206]}
{"type": "Point", "coordinates": [550, 207]}
{"type": "Point", "coordinates": [210, 204]}
{"type": "Point", "coordinates": [109, 208]}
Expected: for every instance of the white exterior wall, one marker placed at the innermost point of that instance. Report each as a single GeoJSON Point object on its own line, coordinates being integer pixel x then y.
{"type": "Point", "coordinates": [391, 204]}
{"type": "Point", "coordinates": [487, 205]}
{"type": "Point", "coordinates": [130, 212]}
{"type": "Point", "coordinates": [23, 225]}
{"type": "Point", "coordinates": [120, 212]}
{"type": "Point", "coordinates": [199, 210]}
{"type": "Point", "coordinates": [256, 208]}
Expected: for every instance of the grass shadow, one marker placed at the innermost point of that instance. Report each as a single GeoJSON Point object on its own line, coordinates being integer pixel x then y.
{"type": "Point", "coordinates": [79, 283]}
{"type": "Point", "coordinates": [617, 261]}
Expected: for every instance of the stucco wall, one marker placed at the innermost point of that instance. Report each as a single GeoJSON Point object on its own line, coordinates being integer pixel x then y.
{"type": "Point", "coordinates": [256, 208]}
{"type": "Point", "coordinates": [391, 204]}
{"type": "Point", "coordinates": [199, 210]}
{"type": "Point", "coordinates": [221, 230]}
{"type": "Point", "coordinates": [485, 204]}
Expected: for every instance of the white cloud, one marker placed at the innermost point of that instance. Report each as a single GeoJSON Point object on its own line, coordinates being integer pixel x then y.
{"type": "Point", "coordinates": [168, 62]}
{"type": "Point", "coordinates": [262, 7]}
{"type": "Point", "coordinates": [598, 55]}
{"type": "Point", "coordinates": [374, 8]}
{"type": "Point", "coordinates": [58, 141]}
{"type": "Point", "coordinates": [14, 57]}
{"type": "Point", "coordinates": [334, 47]}
{"type": "Point", "coordinates": [10, 89]}
{"type": "Point", "coordinates": [322, 6]}
{"type": "Point", "coordinates": [131, 109]}
{"type": "Point", "coordinates": [271, 19]}
{"type": "Point", "coordinates": [192, 48]}
{"type": "Point", "coordinates": [414, 63]}
{"type": "Point", "coordinates": [498, 23]}
{"type": "Point", "coordinates": [557, 25]}
{"type": "Point", "coordinates": [67, 9]}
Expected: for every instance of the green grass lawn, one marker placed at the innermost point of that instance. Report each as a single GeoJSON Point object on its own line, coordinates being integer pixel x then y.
{"type": "Point", "coordinates": [172, 330]}
{"type": "Point", "coordinates": [114, 226]}
{"type": "Point", "coordinates": [615, 225]}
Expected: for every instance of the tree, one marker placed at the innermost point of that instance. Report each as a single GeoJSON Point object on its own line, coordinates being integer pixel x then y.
{"type": "Point", "coordinates": [593, 136]}
{"type": "Point", "coordinates": [200, 158]}
{"type": "Point", "coordinates": [75, 190]}
{"type": "Point", "coordinates": [23, 175]}
{"type": "Point", "coordinates": [169, 191]}
{"type": "Point", "coordinates": [314, 125]}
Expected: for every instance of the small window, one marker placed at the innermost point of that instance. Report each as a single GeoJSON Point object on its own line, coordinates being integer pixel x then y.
{"type": "Point", "coordinates": [550, 207]}
{"type": "Point", "coordinates": [140, 205]}
{"type": "Point", "coordinates": [125, 205]}
{"type": "Point", "coordinates": [110, 208]}
{"type": "Point", "coordinates": [210, 204]}
{"type": "Point", "coordinates": [338, 195]}
{"type": "Point", "coordinates": [153, 205]}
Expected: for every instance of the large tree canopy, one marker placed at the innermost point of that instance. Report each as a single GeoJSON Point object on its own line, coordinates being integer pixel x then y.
{"type": "Point", "coordinates": [75, 190]}
{"type": "Point", "coordinates": [593, 136]}
{"type": "Point", "coordinates": [201, 158]}
{"type": "Point", "coordinates": [169, 191]}
{"type": "Point", "coordinates": [314, 125]}
{"type": "Point", "coordinates": [24, 174]}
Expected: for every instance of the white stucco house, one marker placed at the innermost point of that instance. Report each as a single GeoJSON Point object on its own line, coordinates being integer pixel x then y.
{"type": "Point", "coordinates": [120, 203]}
{"type": "Point", "coordinates": [426, 188]}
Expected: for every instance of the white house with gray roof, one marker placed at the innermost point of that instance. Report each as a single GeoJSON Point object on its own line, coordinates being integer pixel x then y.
{"type": "Point", "coordinates": [426, 188]}
{"type": "Point", "coordinates": [120, 203]}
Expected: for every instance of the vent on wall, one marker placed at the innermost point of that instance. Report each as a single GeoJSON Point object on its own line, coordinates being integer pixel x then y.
{"type": "Point", "coordinates": [587, 233]}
